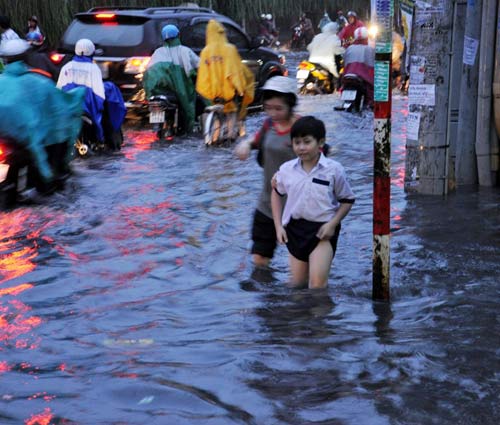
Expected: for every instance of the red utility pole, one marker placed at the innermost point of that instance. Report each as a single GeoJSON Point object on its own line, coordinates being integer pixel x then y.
{"type": "Point", "coordinates": [383, 13]}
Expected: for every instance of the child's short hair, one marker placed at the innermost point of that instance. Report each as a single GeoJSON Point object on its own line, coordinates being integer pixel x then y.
{"type": "Point", "coordinates": [308, 126]}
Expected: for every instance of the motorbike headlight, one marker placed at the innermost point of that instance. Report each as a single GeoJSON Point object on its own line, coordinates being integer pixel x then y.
{"type": "Point", "coordinates": [136, 64]}
{"type": "Point", "coordinates": [373, 31]}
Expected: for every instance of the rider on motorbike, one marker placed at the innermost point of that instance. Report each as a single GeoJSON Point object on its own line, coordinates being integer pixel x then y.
{"type": "Point", "coordinates": [101, 98]}
{"type": "Point", "coordinates": [173, 69]}
{"type": "Point", "coordinates": [37, 116]}
{"type": "Point", "coordinates": [324, 47]}
{"type": "Point", "coordinates": [346, 35]}
{"type": "Point", "coordinates": [267, 29]}
{"type": "Point", "coordinates": [222, 77]}
{"type": "Point", "coordinates": [359, 59]}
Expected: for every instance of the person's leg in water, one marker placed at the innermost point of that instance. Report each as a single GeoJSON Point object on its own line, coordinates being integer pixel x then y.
{"type": "Point", "coordinates": [264, 239]}
{"type": "Point", "coordinates": [300, 272]}
{"type": "Point", "coordinates": [320, 262]}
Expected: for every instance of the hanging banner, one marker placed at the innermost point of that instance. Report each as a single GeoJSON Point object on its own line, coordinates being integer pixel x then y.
{"type": "Point", "coordinates": [407, 7]}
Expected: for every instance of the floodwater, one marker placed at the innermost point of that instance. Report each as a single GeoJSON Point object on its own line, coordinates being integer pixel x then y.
{"type": "Point", "coordinates": [130, 298]}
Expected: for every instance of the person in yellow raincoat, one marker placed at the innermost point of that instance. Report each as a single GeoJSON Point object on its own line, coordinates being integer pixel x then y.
{"type": "Point", "coordinates": [222, 75]}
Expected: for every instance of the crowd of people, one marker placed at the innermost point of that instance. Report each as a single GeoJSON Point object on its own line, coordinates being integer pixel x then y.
{"type": "Point", "coordinates": [293, 206]}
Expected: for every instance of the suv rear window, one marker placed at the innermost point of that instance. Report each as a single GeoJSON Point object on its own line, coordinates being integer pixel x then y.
{"type": "Point", "coordinates": [106, 34]}
{"type": "Point", "coordinates": [195, 36]}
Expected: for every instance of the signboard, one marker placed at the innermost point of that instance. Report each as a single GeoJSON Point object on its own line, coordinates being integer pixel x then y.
{"type": "Point", "coordinates": [381, 82]}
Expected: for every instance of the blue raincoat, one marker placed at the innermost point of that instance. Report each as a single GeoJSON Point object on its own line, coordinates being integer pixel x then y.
{"type": "Point", "coordinates": [36, 114]}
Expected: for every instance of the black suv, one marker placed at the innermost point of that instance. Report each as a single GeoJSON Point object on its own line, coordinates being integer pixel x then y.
{"type": "Point", "coordinates": [126, 37]}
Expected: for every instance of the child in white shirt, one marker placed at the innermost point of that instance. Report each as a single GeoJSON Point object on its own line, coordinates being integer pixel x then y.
{"type": "Point", "coordinates": [318, 198]}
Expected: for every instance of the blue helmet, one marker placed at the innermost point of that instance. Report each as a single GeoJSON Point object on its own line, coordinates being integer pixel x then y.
{"type": "Point", "coordinates": [169, 31]}
{"type": "Point", "coordinates": [34, 37]}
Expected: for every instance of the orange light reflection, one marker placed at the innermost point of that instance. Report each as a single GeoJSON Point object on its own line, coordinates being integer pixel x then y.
{"type": "Point", "coordinates": [43, 418]}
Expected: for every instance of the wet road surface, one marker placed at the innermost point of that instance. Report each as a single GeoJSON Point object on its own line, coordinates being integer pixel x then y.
{"type": "Point", "coordinates": [129, 298]}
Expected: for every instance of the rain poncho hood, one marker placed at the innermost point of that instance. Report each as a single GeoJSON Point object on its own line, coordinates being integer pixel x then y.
{"type": "Point", "coordinates": [324, 47]}
{"type": "Point", "coordinates": [174, 52]}
{"type": "Point", "coordinates": [36, 114]}
{"type": "Point", "coordinates": [221, 73]}
{"type": "Point", "coordinates": [165, 77]}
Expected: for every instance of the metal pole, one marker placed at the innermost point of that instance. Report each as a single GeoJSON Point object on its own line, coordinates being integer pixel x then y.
{"type": "Point", "coordinates": [485, 91]}
{"type": "Point", "coordinates": [384, 13]}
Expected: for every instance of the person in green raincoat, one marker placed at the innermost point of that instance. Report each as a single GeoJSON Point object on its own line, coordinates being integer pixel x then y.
{"type": "Point", "coordinates": [172, 68]}
{"type": "Point", "coordinates": [37, 115]}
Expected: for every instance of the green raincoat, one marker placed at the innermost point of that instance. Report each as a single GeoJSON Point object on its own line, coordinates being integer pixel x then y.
{"type": "Point", "coordinates": [166, 76]}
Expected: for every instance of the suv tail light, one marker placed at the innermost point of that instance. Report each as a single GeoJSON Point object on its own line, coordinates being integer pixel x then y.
{"type": "Point", "coordinates": [136, 64]}
{"type": "Point", "coordinates": [4, 150]}
{"type": "Point", "coordinates": [105, 16]}
{"type": "Point", "coordinates": [57, 58]}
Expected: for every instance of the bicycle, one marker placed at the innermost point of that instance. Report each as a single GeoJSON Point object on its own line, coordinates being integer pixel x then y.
{"type": "Point", "coordinates": [220, 128]}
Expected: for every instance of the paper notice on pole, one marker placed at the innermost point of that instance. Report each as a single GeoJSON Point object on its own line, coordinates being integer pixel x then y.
{"type": "Point", "coordinates": [470, 50]}
{"type": "Point", "coordinates": [422, 94]}
{"type": "Point", "coordinates": [417, 69]}
{"type": "Point", "coordinates": [412, 125]}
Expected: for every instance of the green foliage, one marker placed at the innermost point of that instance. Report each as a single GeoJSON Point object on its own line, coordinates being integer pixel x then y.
{"type": "Point", "coordinates": [55, 15]}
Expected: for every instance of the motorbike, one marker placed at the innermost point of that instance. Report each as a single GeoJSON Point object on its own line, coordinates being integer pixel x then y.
{"type": "Point", "coordinates": [312, 78]}
{"type": "Point", "coordinates": [164, 115]}
{"type": "Point", "coordinates": [353, 93]}
{"type": "Point", "coordinates": [268, 41]}
{"type": "Point", "coordinates": [298, 37]}
{"type": "Point", "coordinates": [18, 173]}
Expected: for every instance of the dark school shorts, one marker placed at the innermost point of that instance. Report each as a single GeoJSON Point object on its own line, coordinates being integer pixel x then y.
{"type": "Point", "coordinates": [302, 238]}
{"type": "Point", "coordinates": [263, 235]}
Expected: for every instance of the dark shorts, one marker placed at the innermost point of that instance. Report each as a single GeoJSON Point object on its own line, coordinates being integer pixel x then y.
{"type": "Point", "coordinates": [302, 238]}
{"type": "Point", "coordinates": [263, 235]}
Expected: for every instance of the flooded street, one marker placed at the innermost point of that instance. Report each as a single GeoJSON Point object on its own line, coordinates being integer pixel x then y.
{"type": "Point", "coordinates": [130, 298]}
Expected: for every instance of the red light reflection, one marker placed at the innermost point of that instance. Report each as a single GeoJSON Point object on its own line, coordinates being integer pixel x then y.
{"type": "Point", "coordinates": [141, 140]}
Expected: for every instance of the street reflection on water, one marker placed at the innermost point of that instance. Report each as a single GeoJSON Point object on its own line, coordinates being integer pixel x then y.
{"type": "Point", "coordinates": [130, 298]}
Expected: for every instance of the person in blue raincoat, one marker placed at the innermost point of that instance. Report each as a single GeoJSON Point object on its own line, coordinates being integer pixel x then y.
{"type": "Point", "coordinates": [102, 98]}
{"type": "Point", "coordinates": [37, 115]}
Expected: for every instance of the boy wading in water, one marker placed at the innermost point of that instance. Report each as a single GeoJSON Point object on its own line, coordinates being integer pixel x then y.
{"type": "Point", "coordinates": [318, 198]}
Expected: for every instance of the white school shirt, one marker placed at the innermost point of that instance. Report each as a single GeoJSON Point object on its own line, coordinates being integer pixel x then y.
{"type": "Point", "coordinates": [314, 196]}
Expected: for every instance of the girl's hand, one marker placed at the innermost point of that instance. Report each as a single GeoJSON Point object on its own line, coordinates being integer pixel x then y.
{"type": "Point", "coordinates": [326, 231]}
{"type": "Point", "coordinates": [281, 235]}
{"type": "Point", "coordinates": [242, 150]}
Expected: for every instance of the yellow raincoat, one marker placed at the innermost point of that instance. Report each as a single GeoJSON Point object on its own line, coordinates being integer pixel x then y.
{"type": "Point", "coordinates": [221, 73]}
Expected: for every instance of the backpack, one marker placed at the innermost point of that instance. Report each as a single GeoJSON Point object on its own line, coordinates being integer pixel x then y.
{"type": "Point", "coordinates": [260, 153]}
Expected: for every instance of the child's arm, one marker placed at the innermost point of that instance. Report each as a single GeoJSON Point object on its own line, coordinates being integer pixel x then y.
{"type": "Point", "coordinates": [277, 208]}
{"type": "Point", "coordinates": [242, 150]}
{"type": "Point", "coordinates": [327, 231]}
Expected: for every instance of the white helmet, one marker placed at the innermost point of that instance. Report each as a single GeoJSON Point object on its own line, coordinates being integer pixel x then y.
{"type": "Point", "coordinates": [13, 47]}
{"type": "Point", "coordinates": [281, 84]}
{"type": "Point", "coordinates": [360, 33]}
{"type": "Point", "coordinates": [269, 16]}
{"type": "Point", "coordinates": [84, 47]}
